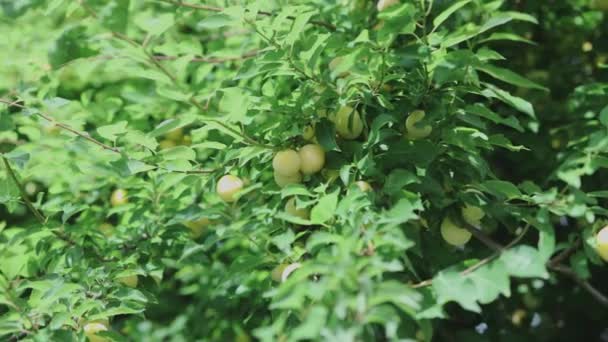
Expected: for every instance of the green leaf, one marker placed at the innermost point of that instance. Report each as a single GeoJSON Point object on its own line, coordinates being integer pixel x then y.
{"type": "Point", "coordinates": [115, 15]}
{"type": "Point", "coordinates": [450, 286]}
{"type": "Point", "coordinates": [501, 188]}
{"type": "Point", "coordinates": [443, 16]}
{"type": "Point", "coordinates": [491, 281]}
{"type": "Point", "coordinates": [215, 21]}
{"type": "Point", "coordinates": [509, 76]}
{"type": "Point", "coordinates": [72, 44]}
{"type": "Point", "coordinates": [325, 209]}
{"type": "Point", "coordinates": [325, 132]}
{"type": "Point", "coordinates": [155, 24]}
{"type": "Point", "coordinates": [516, 102]}
{"type": "Point", "coordinates": [524, 262]}
{"type": "Point", "coordinates": [111, 132]}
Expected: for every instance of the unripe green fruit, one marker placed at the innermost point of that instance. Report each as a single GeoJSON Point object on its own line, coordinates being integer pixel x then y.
{"type": "Point", "coordinates": [290, 208]}
{"type": "Point", "coordinates": [119, 197]}
{"type": "Point", "coordinates": [277, 272]}
{"type": "Point", "coordinates": [286, 162]}
{"type": "Point", "coordinates": [129, 281]}
{"type": "Point", "coordinates": [106, 229]}
{"type": "Point", "coordinates": [472, 215]}
{"type": "Point", "coordinates": [334, 64]}
{"type": "Point", "coordinates": [348, 123]}
{"type": "Point", "coordinates": [166, 144]}
{"type": "Point", "coordinates": [384, 4]}
{"type": "Point", "coordinates": [92, 328]}
{"type": "Point", "coordinates": [602, 243]}
{"type": "Point", "coordinates": [197, 227]}
{"type": "Point", "coordinates": [309, 133]}
{"type": "Point", "coordinates": [176, 135]}
{"type": "Point", "coordinates": [312, 158]}
{"type": "Point", "coordinates": [364, 186]}
{"type": "Point", "coordinates": [282, 181]}
{"type": "Point", "coordinates": [228, 186]}
{"type": "Point", "coordinates": [412, 131]}
{"type": "Point", "coordinates": [453, 234]}
{"type": "Point", "coordinates": [282, 271]}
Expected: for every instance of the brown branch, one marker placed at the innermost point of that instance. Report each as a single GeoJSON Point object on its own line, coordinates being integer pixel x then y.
{"type": "Point", "coordinates": [595, 293]}
{"type": "Point", "coordinates": [481, 262]}
{"type": "Point", "coordinates": [327, 25]}
{"type": "Point", "coordinates": [486, 240]}
{"type": "Point", "coordinates": [64, 126]}
{"type": "Point", "coordinates": [22, 191]}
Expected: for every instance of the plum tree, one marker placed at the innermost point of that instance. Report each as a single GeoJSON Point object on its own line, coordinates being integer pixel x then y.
{"type": "Point", "coordinates": [348, 123]}
{"type": "Point", "coordinates": [228, 186]}
{"type": "Point", "coordinates": [312, 158]}
{"type": "Point", "coordinates": [454, 234]}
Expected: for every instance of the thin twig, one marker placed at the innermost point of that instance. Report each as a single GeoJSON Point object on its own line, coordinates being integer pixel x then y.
{"type": "Point", "coordinates": [481, 262]}
{"type": "Point", "coordinates": [95, 141]}
{"type": "Point", "coordinates": [565, 270]}
{"type": "Point", "coordinates": [22, 191]}
{"type": "Point", "coordinates": [327, 25]}
{"type": "Point", "coordinates": [192, 100]}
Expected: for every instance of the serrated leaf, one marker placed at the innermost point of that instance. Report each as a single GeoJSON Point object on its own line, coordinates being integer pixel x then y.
{"type": "Point", "coordinates": [325, 209]}
{"type": "Point", "coordinates": [111, 132]}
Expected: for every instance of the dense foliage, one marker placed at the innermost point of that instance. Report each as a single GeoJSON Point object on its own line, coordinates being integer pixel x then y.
{"type": "Point", "coordinates": [283, 170]}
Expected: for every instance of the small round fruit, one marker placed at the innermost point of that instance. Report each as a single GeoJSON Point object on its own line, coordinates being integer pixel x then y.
{"type": "Point", "coordinates": [166, 144]}
{"type": "Point", "coordinates": [518, 317]}
{"type": "Point", "coordinates": [453, 234]}
{"type": "Point", "coordinates": [176, 135]}
{"type": "Point", "coordinates": [92, 328]}
{"type": "Point", "coordinates": [197, 227]}
{"type": "Point", "coordinates": [472, 215]}
{"type": "Point", "coordinates": [277, 272]}
{"type": "Point", "coordinates": [364, 186]}
{"type": "Point", "coordinates": [414, 132]}
{"type": "Point", "coordinates": [309, 133]}
{"type": "Point", "coordinates": [228, 186]}
{"type": "Point", "coordinates": [119, 197]}
{"type": "Point", "coordinates": [602, 243]}
{"type": "Point", "coordinates": [384, 4]}
{"type": "Point", "coordinates": [282, 181]}
{"type": "Point", "coordinates": [348, 123]}
{"type": "Point", "coordinates": [106, 229]}
{"type": "Point", "coordinates": [286, 162]}
{"type": "Point", "coordinates": [312, 158]}
{"type": "Point", "coordinates": [290, 208]}
{"type": "Point", "coordinates": [129, 281]}
{"type": "Point", "coordinates": [334, 64]}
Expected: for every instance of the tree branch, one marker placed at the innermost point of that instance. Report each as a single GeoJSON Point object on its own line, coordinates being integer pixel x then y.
{"type": "Point", "coordinates": [22, 191]}
{"type": "Point", "coordinates": [327, 25]}
{"type": "Point", "coordinates": [95, 141]}
{"type": "Point", "coordinates": [567, 271]}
